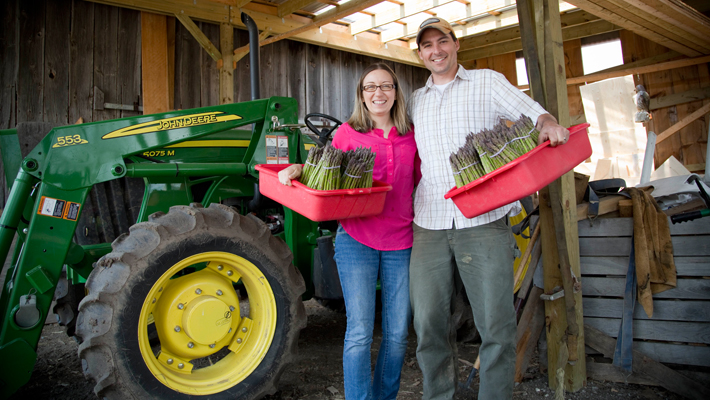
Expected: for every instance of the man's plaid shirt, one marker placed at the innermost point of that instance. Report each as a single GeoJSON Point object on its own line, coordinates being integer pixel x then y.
{"type": "Point", "coordinates": [475, 100]}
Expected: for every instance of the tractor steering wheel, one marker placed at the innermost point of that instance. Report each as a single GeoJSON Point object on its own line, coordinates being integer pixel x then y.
{"type": "Point", "coordinates": [321, 134]}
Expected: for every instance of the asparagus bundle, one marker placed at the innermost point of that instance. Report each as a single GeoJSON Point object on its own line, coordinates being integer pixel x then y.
{"type": "Point", "coordinates": [328, 168]}
{"type": "Point", "coordinates": [314, 155]}
{"type": "Point", "coordinates": [490, 149]}
{"type": "Point", "coordinates": [326, 175]}
{"type": "Point", "coordinates": [358, 171]}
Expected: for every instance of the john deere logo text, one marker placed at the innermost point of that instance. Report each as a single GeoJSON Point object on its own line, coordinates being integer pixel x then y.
{"type": "Point", "coordinates": [185, 121]}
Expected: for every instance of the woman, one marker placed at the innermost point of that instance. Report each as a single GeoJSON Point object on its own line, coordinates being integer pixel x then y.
{"type": "Point", "coordinates": [368, 246]}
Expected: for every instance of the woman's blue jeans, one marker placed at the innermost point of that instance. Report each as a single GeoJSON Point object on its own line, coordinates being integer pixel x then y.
{"type": "Point", "coordinates": [358, 267]}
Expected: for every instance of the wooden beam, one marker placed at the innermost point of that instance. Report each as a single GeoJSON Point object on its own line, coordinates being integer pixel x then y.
{"type": "Point", "coordinates": [513, 32]}
{"type": "Point", "coordinates": [325, 18]}
{"type": "Point", "coordinates": [289, 6]}
{"type": "Point", "coordinates": [199, 36]}
{"type": "Point", "coordinates": [335, 40]}
{"type": "Point", "coordinates": [686, 62]}
{"type": "Point", "coordinates": [154, 58]}
{"type": "Point", "coordinates": [698, 25]}
{"type": "Point", "coordinates": [171, 62]}
{"type": "Point", "coordinates": [565, 336]}
{"type": "Point", "coordinates": [226, 70]}
{"type": "Point", "coordinates": [639, 29]}
{"type": "Point", "coordinates": [607, 204]}
{"type": "Point", "coordinates": [673, 30]}
{"type": "Point", "coordinates": [204, 10]}
{"type": "Point", "coordinates": [515, 44]}
{"type": "Point", "coordinates": [393, 14]}
{"type": "Point", "coordinates": [530, 51]}
{"type": "Point", "coordinates": [681, 11]}
{"type": "Point", "coordinates": [646, 61]}
{"type": "Point", "coordinates": [642, 364]}
{"type": "Point", "coordinates": [680, 98]}
{"type": "Point", "coordinates": [683, 123]}
{"type": "Point", "coordinates": [476, 18]}
{"type": "Point", "coordinates": [266, 19]}
{"type": "Point", "coordinates": [529, 328]}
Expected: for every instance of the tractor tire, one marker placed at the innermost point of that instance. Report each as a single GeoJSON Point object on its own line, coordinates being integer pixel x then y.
{"type": "Point", "coordinates": [164, 315]}
{"type": "Point", "coordinates": [67, 296]}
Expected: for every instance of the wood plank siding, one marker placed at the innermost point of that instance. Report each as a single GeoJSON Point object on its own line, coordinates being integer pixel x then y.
{"type": "Point", "coordinates": [679, 330]}
{"type": "Point", "coordinates": [50, 67]}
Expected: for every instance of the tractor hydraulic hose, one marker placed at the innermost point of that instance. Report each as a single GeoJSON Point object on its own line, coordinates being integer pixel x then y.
{"type": "Point", "coordinates": [14, 207]}
{"type": "Point", "coordinates": [253, 55]}
{"type": "Point", "coordinates": [145, 170]}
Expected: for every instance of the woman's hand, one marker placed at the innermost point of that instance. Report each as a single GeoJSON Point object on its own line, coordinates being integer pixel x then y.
{"type": "Point", "coordinates": [292, 172]}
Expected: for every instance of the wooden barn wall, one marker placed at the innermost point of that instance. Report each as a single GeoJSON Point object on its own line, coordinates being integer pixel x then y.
{"type": "Point", "coordinates": [55, 51]}
{"type": "Point", "coordinates": [690, 143]}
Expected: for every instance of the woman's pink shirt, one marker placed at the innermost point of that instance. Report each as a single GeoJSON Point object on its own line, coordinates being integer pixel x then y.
{"type": "Point", "coordinates": [397, 163]}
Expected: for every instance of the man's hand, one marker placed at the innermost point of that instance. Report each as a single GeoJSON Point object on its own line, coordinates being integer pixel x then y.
{"type": "Point", "coordinates": [292, 172]}
{"type": "Point", "coordinates": [551, 130]}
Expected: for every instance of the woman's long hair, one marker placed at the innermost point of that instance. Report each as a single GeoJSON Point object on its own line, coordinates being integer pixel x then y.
{"type": "Point", "coordinates": [360, 119]}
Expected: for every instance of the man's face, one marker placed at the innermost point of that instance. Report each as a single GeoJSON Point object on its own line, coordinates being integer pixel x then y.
{"type": "Point", "coordinates": [438, 51]}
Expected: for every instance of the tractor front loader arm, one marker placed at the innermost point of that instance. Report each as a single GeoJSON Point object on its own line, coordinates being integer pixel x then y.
{"type": "Point", "coordinates": [52, 184]}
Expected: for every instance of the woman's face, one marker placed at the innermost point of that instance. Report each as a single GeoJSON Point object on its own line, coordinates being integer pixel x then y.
{"type": "Point", "coordinates": [380, 101]}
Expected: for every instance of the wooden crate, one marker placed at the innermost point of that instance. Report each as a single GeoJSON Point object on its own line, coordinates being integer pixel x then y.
{"type": "Point", "coordinates": [679, 331]}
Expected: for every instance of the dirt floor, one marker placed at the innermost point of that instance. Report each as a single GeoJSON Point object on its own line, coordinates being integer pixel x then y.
{"type": "Point", "coordinates": [318, 372]}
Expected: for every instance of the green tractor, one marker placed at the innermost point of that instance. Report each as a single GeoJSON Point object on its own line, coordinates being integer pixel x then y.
{"type": "Point", "coordinates": [203, 295]}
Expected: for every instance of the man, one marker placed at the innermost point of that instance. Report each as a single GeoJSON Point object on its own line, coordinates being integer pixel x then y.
{"type": "Point", "coordinates": [453, 103]}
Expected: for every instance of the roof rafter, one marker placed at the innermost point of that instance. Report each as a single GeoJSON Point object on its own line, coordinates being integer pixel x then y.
{"type": "Point", "coordinates": [325, 18]}
{"type": "Point", "coordinates": [289, 6]}
{"type": "Point", "coordinates": [329, 38]}
{"type": "Point", "coordinates": [515, 44]}
{"type": "Point", "coordinates": [394, 14]}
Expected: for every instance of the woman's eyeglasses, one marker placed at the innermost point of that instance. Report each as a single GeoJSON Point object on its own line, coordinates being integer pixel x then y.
{"type": "Point", "coordinates": [385, 88]}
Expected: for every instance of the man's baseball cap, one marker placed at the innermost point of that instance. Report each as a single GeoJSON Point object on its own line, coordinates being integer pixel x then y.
{"type": "Point", "coordinates": [434, 22]}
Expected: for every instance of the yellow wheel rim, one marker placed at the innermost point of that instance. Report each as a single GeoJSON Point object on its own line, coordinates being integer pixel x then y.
{"type": "Point", "coordinates": [195, 334]}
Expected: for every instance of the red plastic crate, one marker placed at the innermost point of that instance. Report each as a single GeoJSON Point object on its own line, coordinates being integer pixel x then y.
{"type": "Point", "coordinates": [321, 205]}
{"type": "Point", "coordinates": [523, 176]}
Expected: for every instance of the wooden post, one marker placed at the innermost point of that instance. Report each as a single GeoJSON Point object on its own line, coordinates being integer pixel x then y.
{"type": "Point", "coordinates": [560, 241]}
{"type": "Point", "coordinates": [171, 62]}
{"type": "Point", "coordinates": [154, 60]}
{"type": "Point", "coordinates": [532, 61]}
{"type": "Point", "coordinates": [226, 71]}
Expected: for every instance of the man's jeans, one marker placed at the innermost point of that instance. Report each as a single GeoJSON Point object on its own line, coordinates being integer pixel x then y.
{"type": "Point", "coordinates": [484, 256]}
{"type": "Point", "coordinates": [358, 267]}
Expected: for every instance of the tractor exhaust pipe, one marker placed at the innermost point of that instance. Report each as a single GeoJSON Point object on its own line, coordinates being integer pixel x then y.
{"type": "Point", "coordinates": [257, 201]}
{"type": "Point", "coordinates": [253, 55]}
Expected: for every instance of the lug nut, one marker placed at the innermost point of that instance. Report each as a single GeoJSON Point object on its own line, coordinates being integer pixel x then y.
{"type": "Point", "coordinates": [231, 308]}
{"type": "Point", "coordinates": [212, 346]}
{"type": "Point", "coordinates": [219, 267]}
{"type": "Point", "coordinates": [170, 361]}
{"type": "Point", "coordinates": [181, 365]}
{"type": "Point", "coordinates": [153, 301]}
{"type": "Point", "coordinates": [219, 293]}
{"type": "Point", "coordinates": [181, 306]}
{"type": "Point", "coordinates": [177, 329]}
{"type": "Point", "coordinates": [160, 290]}
{"type": "Point", "coordinates": [230, 330]}
{"type": "Point", "coordinates": [190, 345]}
{"type": "Point", "coordinates": [25, 231]}
{"type": "Point", "coordinates": [244, 329]}
{"type": "Point", "coordinates": [239, 340]}
{"type": "Point", "coordinates": [198, 291]}
{"type": "Point", "coordinates": [229, 273]}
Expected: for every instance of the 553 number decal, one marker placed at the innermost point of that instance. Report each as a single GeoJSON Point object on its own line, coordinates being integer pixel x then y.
{"type": "Point", "coordinates": [71, 140]}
